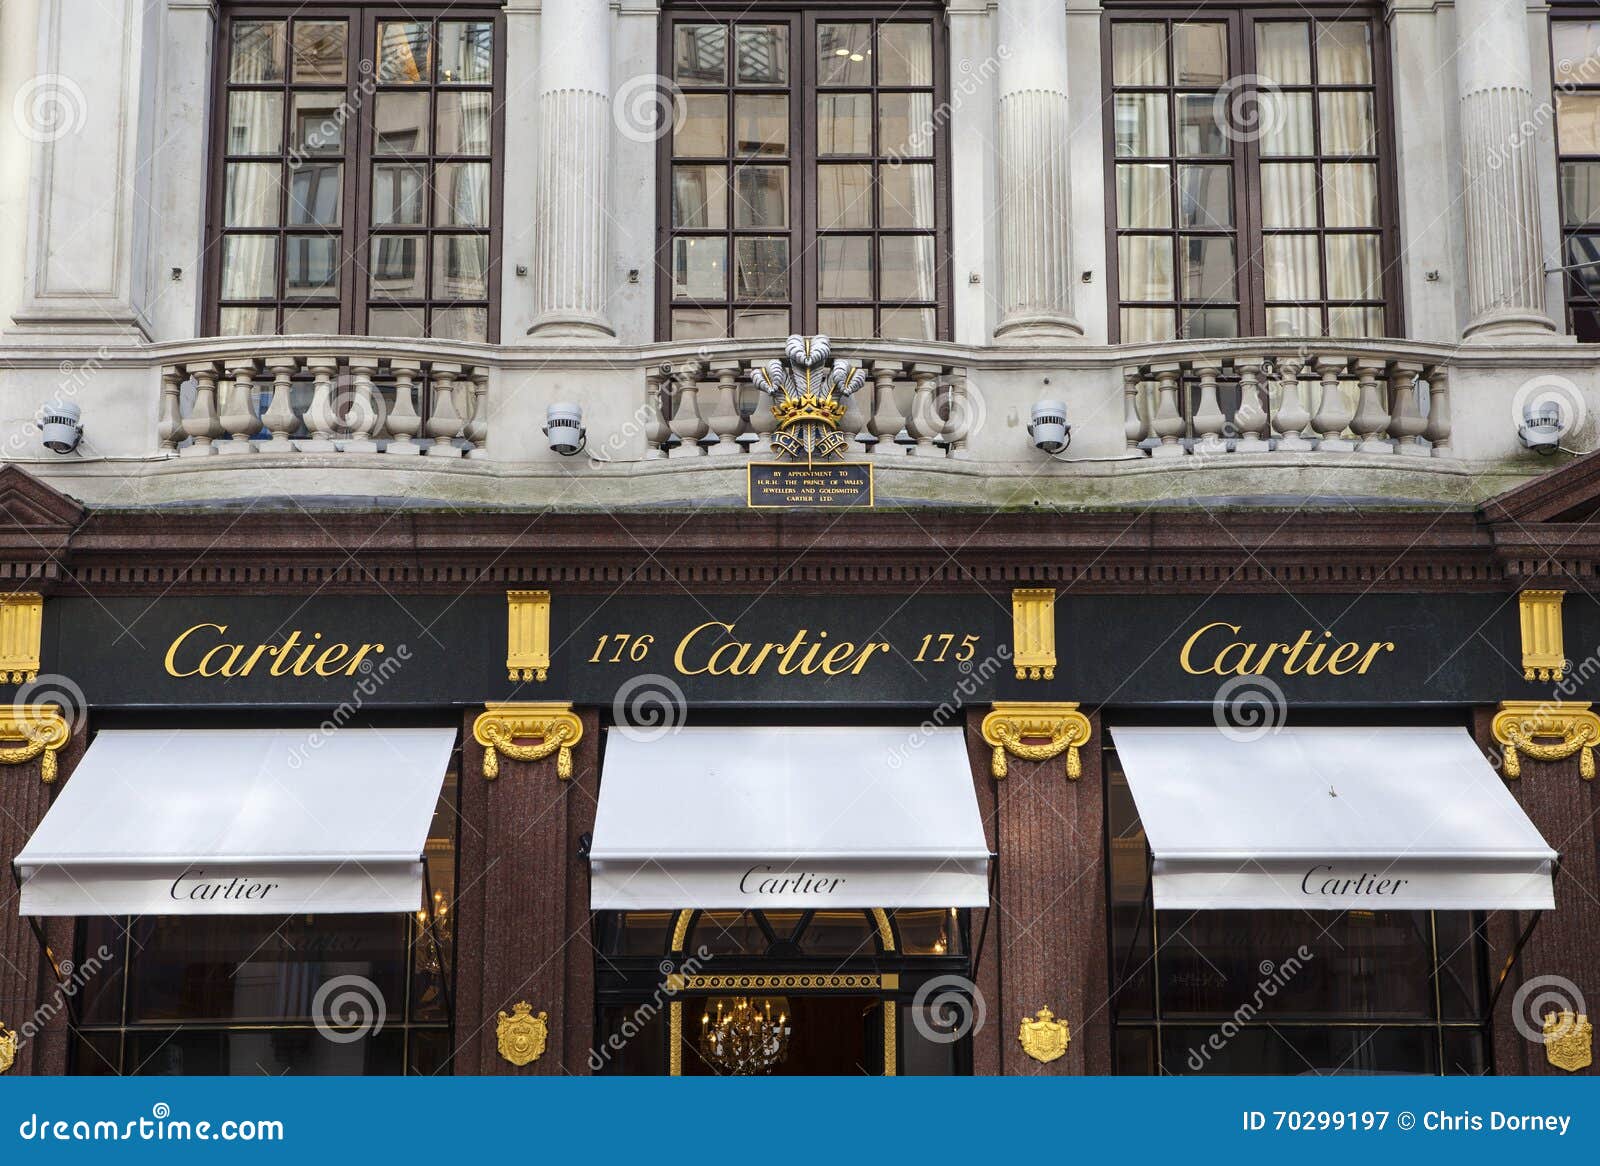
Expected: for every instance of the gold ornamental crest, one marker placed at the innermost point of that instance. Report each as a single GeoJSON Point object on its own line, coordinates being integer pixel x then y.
{"type": "Point", "coordinates": [8, 1049]}
{"type": "Point", "coordinates": [521, 1035]}
{"type": "Point", "coordinates": [1568, 1040]}
{"type": "Point", "coordinates": [1044, 1038]}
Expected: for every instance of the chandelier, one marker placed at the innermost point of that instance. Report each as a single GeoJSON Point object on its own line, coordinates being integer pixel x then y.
{"type": "Point", "coordinates": [435, 927]}
{"type": "Point", "coordinates": [743, 1039]}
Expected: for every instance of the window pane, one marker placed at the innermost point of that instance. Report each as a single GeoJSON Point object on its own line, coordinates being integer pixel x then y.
{"type": "Point", "coordinates": [761, 268]}
{"type": "Point", "coordinates": [844, 196]}
{"type": "Point", "coordinates": [906, 263]}
{"type": "Point", "coordinates": [1352, 194]}
{"type": "Point", "coordinates": [1144, 195]}
{"type": "Point", "coordinates": [403, 322]}
{"type": "Point", "coordinates": [1576, 49]}
{"type": "Point", "coordinates": [400, 125]}
{"type": "Point", "coordinates": [905, 54]}
{"type": "Point", "coordinates": [1210, 324]}
{"type": "Point", "coordinates": [397, 193]}
{"type": "Point", "coordinates": [1344, 52]}
{"type": "Point", "coordinates": [1348, 126]}
{"type": "Point", "coordinates": [756, 322]}
{"type": "Point", "coordinates": [1289, 194]}
{"type": "Point", "coordinates": [1578, 123]}
{"type": "Point", "coordinates": [761, 124]}
{"type": "Point", "coordinates": [700, 197]}
{"type": "Point", "coordinates": [1143, 324]}
{"type": "Point", "coordinates": [461, 267]}
{"type": "Point", "coordinates": [762, 54]}
{"type": "Point", "coordinates": [907, 196]}
{"type": "Point", "coordinates": [256, 55]}
{"type": "Point", "coordinates": [1138, 54]}
{"type": "Point", "coordinates": [318, 125]}
{"type": "Point", "coordinates": [1355, 321]}
{"type": "Point", "coordinates": [461, 194]}
{"type": "Point", "coordinates": [310, 321]}
{"type": "Point", "coordinates": [319, 51]}
{"type": "Point", "coordinates": [247, 321]}
{"type": "Point", "coordinates": [466, 52]}
{"type": "Point", "coordinates": [698, 324]}
{"type": "Point", "coordinates": [460, 323]}
{"type": "Point", "coordinates": [844, 267]}
{"type": "Point", "coordinates": [1286, 124]}
{"type": "Point", "coordinates": [844, 123]}
{"type": "Point", "coordinates": [251, 197]}
{"type": "Point", "coordinates": [1294, 322]}
{"type": "Point", "coordinates": [316, 194]}
{"type": "Point", "coordinates": [1144, 267]}
{"type": "Point", "coordinates": [405, 53]}
{"type": "Point", "coordinates": [1580, 192]}
{"type": "Point", "coordinates": [837, 322]}
{"type": "Point", "coordinates": [397, 270]}
{"type": "Point", "coordinates": [762, 196]}
{"type": "Point", "coordinates": [908, 324]}
{"type": "Point", "coordinates": [1141, 124]}
{"type": "Point", "coordinates": [464, 122]}
{"type": "Point", "coordinates": [905, 125]}
{"type": "Point", "coordinates": [310, 265]}
{"type": "Point", "coordinates": [249, 267]}
{"type": "Point", "coordinates": [1199, 131]}
{"type": "Point", "coordinates": [1354, 272]}
{"type": "Point", "coordinates": [1294, 271]}
{"type": "Point", "coordinates": [703, 130]}
{"type": "Point", "coordinates": [700, 54]}
{"type": "Point", "coordinates": [1205, 197]}
{"type": "Point", "coordinates": [843, 54]}
{"type": "Point", "coordinates": [1283, 53]}
{"type": "Point", "coordinates": [1200, 53]}
{"type": "Point", "coordinates": [699, 269]}
{"type": "Point", "coordinates": [1208, 268]}
{"type": "Point", "coordinates": [255, 123]}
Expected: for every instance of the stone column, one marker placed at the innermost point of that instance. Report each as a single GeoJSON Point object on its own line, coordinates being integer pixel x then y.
{"type": "Point", "coordinates": [574, 119]}
{"type": "Point", "coordinates": [1035, 223]}
{"type": "Point", "coordinates": [1505, 254]}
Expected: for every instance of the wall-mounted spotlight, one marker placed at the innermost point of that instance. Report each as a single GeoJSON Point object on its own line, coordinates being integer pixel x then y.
{"type": "Point", "coordinates": [1049, 428]}
{"type": "Point", "coordinates": [563, 425]}
{"type": "Point", "coordinates": [59, 426]}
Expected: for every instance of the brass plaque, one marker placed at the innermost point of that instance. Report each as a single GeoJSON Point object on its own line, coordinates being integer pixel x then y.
{"type": "Point", "coordinates": [814, 485]}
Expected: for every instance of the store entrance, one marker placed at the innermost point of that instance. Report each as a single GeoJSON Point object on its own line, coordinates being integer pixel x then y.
{"type": "Point", "coordinates": [785, 1036]}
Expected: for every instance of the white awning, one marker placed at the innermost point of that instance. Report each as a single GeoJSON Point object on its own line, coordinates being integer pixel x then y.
{"type": "Point", "coordinates": [787, 818]}
{"type": "Point", "coordinates": [1331, 819]}
{"type": "Point", "coordinates": [239, 822]}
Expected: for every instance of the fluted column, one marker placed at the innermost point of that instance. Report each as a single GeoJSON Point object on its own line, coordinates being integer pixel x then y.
{"type": "Point", "coordinates": [1505, 259]}
{"type": "Point", "coordinates": [574, 120]}
{"type": "Point", "coordinates": [1035, 218]}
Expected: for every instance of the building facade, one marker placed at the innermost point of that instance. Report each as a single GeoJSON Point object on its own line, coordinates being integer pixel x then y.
{"type": "Point", "coordinates": [462, 618]}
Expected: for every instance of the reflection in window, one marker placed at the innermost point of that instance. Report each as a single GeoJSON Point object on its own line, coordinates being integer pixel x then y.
{"type": "Point", "coordinates": [1576, 52]}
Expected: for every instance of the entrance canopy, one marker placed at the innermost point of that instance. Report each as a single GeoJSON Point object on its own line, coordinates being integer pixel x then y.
{"type": "Point", "coordinates": [1331, 819]}
{"type": "Point", "coordinates": [788, 818]}
{"type": "Point", "coordinates": [239, 822]}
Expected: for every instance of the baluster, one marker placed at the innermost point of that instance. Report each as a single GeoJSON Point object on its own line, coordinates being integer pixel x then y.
{"type": "Point", "coordinates": [1133, 430]}
{"type": "Point", "coordinates": [1437, 432]}
{"type": "Point", "coordinates": [169, 425]}
{"type": "Point", "coordinates": [239, 408]}
{"type": "Point", "coordinates": [362, 413]}
{"type": "Point", "coordinates": [724, 423]}
{"type": "Point", "coordinates": [886, 419]}
{"type": "Point", "coordinates": [1168, 421]}
{"type": "Point", "coordinates": [923, 423]}
{"type": "Point", "coordinates": [320, 418]}
{"type": "Point", "coordinates": [1209, 421]}
{"type": "Point", "coordinates": [1334, 413]}
{"type": "Point", "coordinates": [656, 430]}
{"type": "Point", "coordinates": [404, 421]}
{"type": "Point", "coordinates": [762, 423]}
{"type": "Point", "coordinates": [444, 421]}
{"type": "Point", "coordinates": [1406, 422]}
{"type": "Point", "coordinates": [280, 419]}
{"type": "Point", "coordinates": [1292, 417]}
{"type": "Point", "coordinates": [202, 423]}
{"type": "Point", "coordinates": [958, 420]}
{"type": "Point", "coordinates": [687, 423]}
{"type": "Point", "coordinates": [855, 416]}
{"type": "Point", "coordinates": [477, 428]}
{"type": "Point", "coordinates": [1371, 421]}
{"type": "Point", "coordinates": [1250, 418]}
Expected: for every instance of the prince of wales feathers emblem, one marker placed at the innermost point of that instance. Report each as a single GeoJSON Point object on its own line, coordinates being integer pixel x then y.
{"type": "Point", "coordinates": [808, 398]}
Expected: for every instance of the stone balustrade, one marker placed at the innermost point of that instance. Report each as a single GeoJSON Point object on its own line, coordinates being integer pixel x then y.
{"type": "Point", "coordinates": [709, 408]}
{"type": "Point", "coordinates": [1238, 402]}
{"type": "Point", "coordinates": [283, 399]}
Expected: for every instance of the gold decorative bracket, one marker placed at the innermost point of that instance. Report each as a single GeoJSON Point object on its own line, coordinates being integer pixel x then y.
{"type": "Point", "coordinates": [1546, 731]}
{"type": "Point", "coordinates": [528, 634]}
{"type": "Point", "coordinates": [1543, 653]}
{"type": "Point", "coordinates": [21, 618]}
{"type": "Point", "coordinates": [41, 728]}
{"type": "Point", "coordinates": [1033, 632]}
{"type": "Point", "coordinates": [552, 724]}
{"type": "Point", "coordinates": [1052, 729]}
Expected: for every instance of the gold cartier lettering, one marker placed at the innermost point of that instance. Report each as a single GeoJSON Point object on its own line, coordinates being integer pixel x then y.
{"type": "Point", "coordinates": [202, 650]}
{"type": "Point", "coordinates": [806, 653]}
{"type": "Point", "coordinates": [1221, 649]}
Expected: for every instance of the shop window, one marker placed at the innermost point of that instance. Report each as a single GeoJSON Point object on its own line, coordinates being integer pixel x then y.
{"type": "Point", "coordinates": [803, 174]}
{"type": "Point", "coordinates": [253, 995]}
{"type": "Point", "coordinates": [1284, 992]}
{"type": "Point", "coordinates": [1249, 174]}
{"type": "Point", "coordinates": [355, 186]}
{"type": "Point", "coordinates": [1575, 50]}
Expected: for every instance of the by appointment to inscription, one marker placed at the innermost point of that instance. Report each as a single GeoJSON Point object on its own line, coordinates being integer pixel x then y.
{"type": "Point", "coordinates": [1219, 649]}
{"type": "Point", "coordinates": [204, 650]}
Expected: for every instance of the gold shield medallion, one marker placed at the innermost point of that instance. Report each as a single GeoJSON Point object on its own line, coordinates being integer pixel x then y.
{"type": "Point", "coordinates": [1568, 1040]}
{"type": "Point", "coordinates": [1044, 1038]}
{"type": "Point", "coordinates": [521, 1036]}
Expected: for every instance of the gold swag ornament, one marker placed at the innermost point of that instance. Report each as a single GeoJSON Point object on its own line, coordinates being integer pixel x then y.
{"type": "Point", "coordinates": [8, 1049]}
{"type": "Point", "coordinates": [1568, 1041]}
{"type": "Point", "coordinates": [1043, 1037]}
{"type": "Point", "coordinates": [1546, 731]}
{"type": "Point", "coordinates": [552, 724]}
{"type": "Point", "coordinates": [808, 399]}
{"type": "Point", "coordinates": [1054, 729]}
{"type": "Point", "coordinates": [521, 1036]}
{"type": "Point", "coordinates": [42, 729]}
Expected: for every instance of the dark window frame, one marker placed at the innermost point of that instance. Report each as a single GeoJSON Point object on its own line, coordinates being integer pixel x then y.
{"type": "Point", "coordinates": [1245, 159]}
{"type": "Point", "coordinates": [354, 236]}
{"type": "Point", "coordinates": [802, 160]}
{"type": "Point", "coordinates": [1575, 298]}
